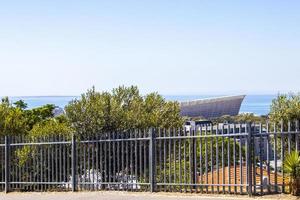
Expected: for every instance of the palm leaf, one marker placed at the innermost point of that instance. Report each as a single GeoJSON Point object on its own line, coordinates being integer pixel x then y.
{"type": "Point", "coordinates": [291, 164]}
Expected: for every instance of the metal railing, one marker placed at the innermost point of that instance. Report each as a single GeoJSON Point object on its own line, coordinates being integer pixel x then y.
{"type": "Point", "coordinates": [222, 158]}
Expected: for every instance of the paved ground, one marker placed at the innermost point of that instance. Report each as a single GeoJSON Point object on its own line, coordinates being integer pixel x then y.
{"type": "Point", "coordinates": [130, 196]}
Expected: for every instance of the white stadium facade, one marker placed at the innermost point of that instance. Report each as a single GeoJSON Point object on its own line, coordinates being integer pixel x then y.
{"type": "Point", "coordinates": [212, 107]}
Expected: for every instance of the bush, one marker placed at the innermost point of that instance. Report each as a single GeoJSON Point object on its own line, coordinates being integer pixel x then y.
{"type": "Point", "coordinates": [291, 166]}
{"type": "Point", "coordinates": [285, 107]}
{"type": "Point", "coordinates": [121, 109]}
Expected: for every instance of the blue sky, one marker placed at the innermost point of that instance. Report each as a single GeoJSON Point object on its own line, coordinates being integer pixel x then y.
{"type": "Point", "coordinates": [174, 47]}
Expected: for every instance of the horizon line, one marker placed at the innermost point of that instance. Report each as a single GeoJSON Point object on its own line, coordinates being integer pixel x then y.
{"type": "Point", "coordinates": [212, 95]}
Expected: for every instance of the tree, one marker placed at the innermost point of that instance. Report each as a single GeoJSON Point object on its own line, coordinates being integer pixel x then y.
{"type": "Point", "coordinates": [33, 124]}
{"type": "Point", "coordinates": [21, 104]}
{"type": "Point", "coordinates": [241, 118]}
{"type": "Point", "coordinates": [285, 107]}
{"type": "Point", "coordinates": [12, 119]}
{"type": "Point", "coordinates": [16, 119]}
{"type": "Point", "coordinates": [51, 127]}
{"type": "Point", "coordinates": [39, 114]}
{"type": "Point", "coordinates": [121, 109]}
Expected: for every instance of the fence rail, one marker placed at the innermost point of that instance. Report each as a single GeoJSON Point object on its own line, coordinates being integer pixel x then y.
{"type": "Point", "coordinates": [222, 158]}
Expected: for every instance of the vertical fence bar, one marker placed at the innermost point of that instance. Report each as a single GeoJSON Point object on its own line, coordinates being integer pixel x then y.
{"type": "Point", "coordinates": [195, 158]}
{"type": "Point", "coordinates": [206, 159]}
{"type": "Point", "coordinates": [7, 163]}
{"type": "Point", "coordinates": [217, 158]}
{"type": "Point", "coordinates": [228, 157]}
{"type": "Point", "coordinates": [174, 150]}
{"type": "Point", "coordinates": [241, 158]}
{"type": "Point", "coordinates": [201, 159]}
{"type": "Point", "coordinates": [109, 161]}
{"type": "Point", "coordinates": [136, 156]}
{"type": "Point", "coordinates": [249, 158]}
{"type": "Point", "coordinates": [79, 172]}
{"type": "Point", "coordinates": [73, 163]}
{"type": "Point", "coordinates": [160, 158]}
{"type": "Point", "coordinates": [268, 157]}
{"type": "Point", "coordinates": [131, 157]}
{"type": "Point", "coordinates": [184, 160]}
{"type": "Point", "coordinates": [275, 157]}
{"type": "Point", "coordinates": [152, 160]}
{"type": "Point", "coordinates": [56, 160]}
{"type": "Point", "coordinates": [179, 160]}
{"type": "Point", "coordinates": [253, 155]}
{"type": "Point", "coordinates": [192, 158]}
{"type": "Point", "coordinates": [122, 160]}
{"type": "Point", "coordinates": [145, 157]}
{"type": "Point", "coordinates": [261, 159]}
{"type": "Point", "coordinates": [211, 158]}
{"type": "Point", "coordinates": [101, 162]}
{"type": "Point", "coordinates": [52, 164]}
{"type": "Point", "coordinates": [234, 160]}
{"type": "Point", "coordinates": [170, 160]}
{"type": "Point", "coordinates": [282, 151]}
{"type": "Point", "coordinates": [92, 176]}
{"type": "Point", "coordinates": [97, 162]}
{"type": "Point", "coordinates": [48, 164]}
{"type": "Point", "coordinates": [223, 161]}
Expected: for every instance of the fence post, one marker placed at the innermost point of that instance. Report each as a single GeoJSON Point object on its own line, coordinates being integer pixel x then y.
{"type": "Point", "coordinates": [74, 181]}
{"type": "Point", "coordinates": [7, 164]}
{"type": "Point", "coordinates": [250, 149]}
{"type": "Point", "coordinates": [152, 160]}
{"type": "Point", "coordinates": [192, 159]}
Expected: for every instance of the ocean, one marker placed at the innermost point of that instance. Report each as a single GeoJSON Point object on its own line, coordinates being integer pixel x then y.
{"type": "Point", "coordinates": [257, 104]}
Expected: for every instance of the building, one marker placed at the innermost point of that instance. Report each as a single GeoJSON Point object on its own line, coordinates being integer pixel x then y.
{"type": "Point", "coordinates": [212, 107]}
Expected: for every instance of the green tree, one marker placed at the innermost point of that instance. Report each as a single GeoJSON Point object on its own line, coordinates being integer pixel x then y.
{"type": "Point", "coordinates": [16, 119]}
{"type": "Point", "coordinates": [12, 119]}
{"type": "Point", "coordinates": [21, 104]}
{"type": "Point", "coordinates": [51, 127]}
{"type": "Point", "coordinates": [241, 118]}
{"type": "Point", "coordinates": [39, 114]}
{"type": "Point", "coordinates": [122, 109]}
{"type": "Point", "coordinates": [285, 107]}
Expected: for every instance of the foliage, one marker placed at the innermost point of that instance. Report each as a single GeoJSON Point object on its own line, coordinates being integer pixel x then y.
{"type": "Point", "coordinates": [241, 118]}
{"type": "Point", "coordinates": [21, 104]}
{"type": "Point", "coordinates": [291, 166]}
{"type": "Point", "coordinates": [12, 119]}
{"type": "Point", "coordinates": [176, 169]}
{"type": "Point", "coordinates": [36, 123]}
{"type": "Point", "coordinates": [209, 146]}
{"type": "Point", "coordinates": [285, 107]}
{"type": "Point", "coordinates": [121, 109]}
{"type": "Point", "coordinates": [15, 120]}
{"type": "Point", "coordinates": [174, 172]}
{"type": "Point", "coordinates": [48, 128]}
{"type": "Point", "coordinates": [39, 114]}
{"type": "Point", "coordinates": [23, 155]}
{"type": "Point", "coordinates": [51, 127]}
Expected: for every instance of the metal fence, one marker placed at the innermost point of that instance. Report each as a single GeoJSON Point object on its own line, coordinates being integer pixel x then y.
{"type": "Point", "coordinates": [222, 158]}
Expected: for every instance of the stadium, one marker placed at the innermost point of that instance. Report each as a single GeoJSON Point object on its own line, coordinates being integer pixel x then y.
{"type": "Point", "coordinates": [212, 107]}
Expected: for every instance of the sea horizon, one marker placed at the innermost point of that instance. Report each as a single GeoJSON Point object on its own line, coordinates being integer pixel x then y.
{"type": "Point", "coordinates": [258, 104]}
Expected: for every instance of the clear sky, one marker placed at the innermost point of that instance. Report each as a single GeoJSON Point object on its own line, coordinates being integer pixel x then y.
{"type": "Point", "coordinates": [54, 47]}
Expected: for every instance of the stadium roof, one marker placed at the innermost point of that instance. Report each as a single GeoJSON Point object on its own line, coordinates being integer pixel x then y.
{"type": "Point", "coordinates": [212, 107]}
